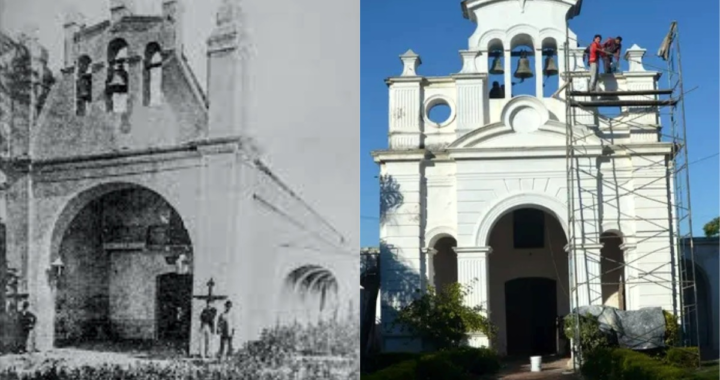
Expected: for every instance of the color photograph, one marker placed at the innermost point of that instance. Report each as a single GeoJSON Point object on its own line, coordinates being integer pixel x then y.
{"type": "Point", "coordinates": [539, 190]}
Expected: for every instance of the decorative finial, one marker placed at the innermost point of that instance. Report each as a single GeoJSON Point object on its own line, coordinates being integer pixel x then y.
{"type": "Point", "coordinates": [229, 12]}
{"type": "Point", "coordinates": [468, 61]}
{"type": "Point", "coordinates": [634, 56]}
{"type": "Point", "coordinates": [411, 62]}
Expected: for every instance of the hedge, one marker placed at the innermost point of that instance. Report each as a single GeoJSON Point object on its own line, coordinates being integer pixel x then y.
{"type": "Point", "coordinates": [457, 364]}
{"type": "Point", "coordinates": [624, 364]}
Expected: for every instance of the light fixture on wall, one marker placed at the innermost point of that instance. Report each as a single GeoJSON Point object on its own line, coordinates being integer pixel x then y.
{"type": "Point", "coordinates": [56, 271]}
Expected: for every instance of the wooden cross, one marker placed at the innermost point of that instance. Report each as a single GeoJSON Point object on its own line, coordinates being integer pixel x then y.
{"type": "Point", "coordinates": [14, 295]}
{"type": "Point", "coordinates": [210, 297]}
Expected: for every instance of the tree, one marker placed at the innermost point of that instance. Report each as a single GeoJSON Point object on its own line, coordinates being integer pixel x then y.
{"type": "Point", "coordinates": [712, 228]}
{"type": "Point", "coordinates": [442, 319]}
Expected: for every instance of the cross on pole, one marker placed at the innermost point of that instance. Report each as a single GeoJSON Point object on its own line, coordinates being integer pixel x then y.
{"type": "Point", "coordinates": [210, 297]}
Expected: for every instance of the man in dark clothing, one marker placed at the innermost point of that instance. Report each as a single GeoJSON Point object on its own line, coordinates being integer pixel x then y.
{"type": "Point", "coordinates": [226, 330]}
{"type": "Point", "coordinates": [27, 322]}
{"type": "Point", "coordinates": [495, 90]}
{"type": "Point", "coordinates": [611, 51]}
{"type": "Point", "coordinates": [207, 329]}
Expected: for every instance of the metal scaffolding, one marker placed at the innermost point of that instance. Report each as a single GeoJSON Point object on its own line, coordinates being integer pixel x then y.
{"type": "Point", "coordinates": [585, 182]}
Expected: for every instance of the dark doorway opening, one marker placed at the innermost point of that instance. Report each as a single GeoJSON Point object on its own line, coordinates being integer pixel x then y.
{"type": "Point", "coordinates": [530, 314]}
{"type": "Point", "coordinates": [174, 303]}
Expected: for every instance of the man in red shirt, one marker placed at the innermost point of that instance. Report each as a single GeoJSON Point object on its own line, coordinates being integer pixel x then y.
{"type": "Point", "coordinates": [594, 54]}
{"type": "Point", "coordinates": [611, 49]}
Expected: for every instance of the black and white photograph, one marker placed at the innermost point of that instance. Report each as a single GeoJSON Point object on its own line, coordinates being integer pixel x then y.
{"type": "Point", "coordinates": [179, 189]}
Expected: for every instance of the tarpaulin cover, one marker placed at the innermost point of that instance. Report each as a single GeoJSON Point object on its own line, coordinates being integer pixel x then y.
{"type": "Point", "coordinates": [641, 329]}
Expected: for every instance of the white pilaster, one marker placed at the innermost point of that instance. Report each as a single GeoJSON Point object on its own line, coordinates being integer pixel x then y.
{"type": "Point", "coordinates": [538, 73]}
{"type": "Point", "coordinates": [586, 262]}
{"type": "Point", "coordinates": [429, 256]}
{"type": "Point", "coordinates": [473, 270]}
{"type": "Point", "coordinates": [507, 62]}
{"type": "Point", "coordinates": [632, 294]}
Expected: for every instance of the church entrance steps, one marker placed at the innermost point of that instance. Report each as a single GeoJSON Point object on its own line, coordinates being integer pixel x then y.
{"type": "Point", "coordinates": [553, 368]}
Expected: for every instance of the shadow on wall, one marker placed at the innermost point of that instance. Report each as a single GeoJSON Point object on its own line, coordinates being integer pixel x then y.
{"type": "Point", "coordinates": [400, 286]}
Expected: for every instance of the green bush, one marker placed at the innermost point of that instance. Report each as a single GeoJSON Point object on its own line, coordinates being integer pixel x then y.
{"type": "Point", "coordinates": [476, 361]}
{"type": "Point", "coordinates": [442, 319]}
{"type": "Point", "coordinates": [433, 367]}
{"type": "Point", "coordinates": [683, 357]}
{"type": "Point", "coordinates": [624, 364]}
{"type": "Point", "coordinates": [400, 371]}
{"type": "Point", "coordinates": [591, 338]}
{"type": "Point", "coordinates": [447, 365]}
{"type": "Point", "coordinates": [384, 360]}
{"type": "Point", "coordinates": [672, 329]}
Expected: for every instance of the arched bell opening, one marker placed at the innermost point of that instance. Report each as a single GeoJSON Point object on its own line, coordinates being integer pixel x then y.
{"type": "Point", "coordinates": [444, 264]}
{"type": "Point", "coordinates": [550, 66]}
{"type": "Point", "coordinates": [496, 69]}
{"type": "Point", "coordinates": [524, 75]}
{"type": "Point", "coordinates": [612, 269]}
{"type": "Point", "coordinates": [117, 83]}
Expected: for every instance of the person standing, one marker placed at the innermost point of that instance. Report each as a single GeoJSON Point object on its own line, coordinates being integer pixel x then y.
{"type": "Point", "coordinates": [226, 330]}
{"type": "Point", "coordinates": [207, 329]}
{"type": "Point", "coordinates": [594, 55]}
{"type": "Point", "coordinates": [27, 321]}
{"type": "Point", "coordinates": [611, 49]}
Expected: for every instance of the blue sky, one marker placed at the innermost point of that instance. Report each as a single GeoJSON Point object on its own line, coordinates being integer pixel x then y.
{"type": "Point", "coordinates": [436, 30]}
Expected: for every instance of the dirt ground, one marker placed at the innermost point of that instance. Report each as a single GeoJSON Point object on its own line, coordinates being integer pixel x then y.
{"type": "Point", "coordinates": [553, 368]}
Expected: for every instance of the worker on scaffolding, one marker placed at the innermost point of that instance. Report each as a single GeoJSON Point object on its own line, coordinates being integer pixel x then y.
{"type": "Point", "coordinates": [593, 53]}
{"type": "Point", "coordinates": [611, 52]}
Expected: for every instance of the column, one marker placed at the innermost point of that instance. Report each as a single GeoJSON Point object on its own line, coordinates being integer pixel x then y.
{"type": "Point", "coordinates": [630, 274]}
{"type": "Point", "coordinates": [428, 256]}
{"type": "Point", "coordinates": [507, 62]}
{"type": "Point", "coordinates": [473, 271]}
{"type": "Point", "coordinates": [586, 260]}
{"type": "Point", "coordinates": [539, 73]}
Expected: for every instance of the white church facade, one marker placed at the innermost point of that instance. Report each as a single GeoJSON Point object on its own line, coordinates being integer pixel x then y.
{"type": "Point", "coordinates": [133, 191]}
{"type": "Point", "coordinates": [481, 197]}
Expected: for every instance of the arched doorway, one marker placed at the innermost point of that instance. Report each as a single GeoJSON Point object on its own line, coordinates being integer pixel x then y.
{"type": "Point", "coordinates": [612, 269]}
{"type": "Point", "coordinates": [310, 294]}
{"type": "Point", "coordinates": [127, 270]}
{"type": "Point", "coordinates": [444, 263]}
{"type": "Point", "coordinates": [528, 281]}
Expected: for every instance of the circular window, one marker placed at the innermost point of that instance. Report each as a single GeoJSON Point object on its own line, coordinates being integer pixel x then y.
{"type": "Point", "coordinates": [439, 112]}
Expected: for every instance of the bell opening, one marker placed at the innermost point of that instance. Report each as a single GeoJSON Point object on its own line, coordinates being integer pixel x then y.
{"type": "Point", "coordinates": [523, 74]}
{"type": "Point", "coordinates": [496, 69]}
{"type": "Point", "coordinates": [550, 67]}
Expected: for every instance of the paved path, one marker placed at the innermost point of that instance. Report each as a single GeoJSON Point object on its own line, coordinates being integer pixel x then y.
{"type": "Point", "coordinates": [553, 369]}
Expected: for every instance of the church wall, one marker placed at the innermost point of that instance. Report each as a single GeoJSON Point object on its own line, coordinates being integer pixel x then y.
{"type": "Point", "coordinates": [400, 260]}
{"type": "Point", "coordinates": [133, 292]}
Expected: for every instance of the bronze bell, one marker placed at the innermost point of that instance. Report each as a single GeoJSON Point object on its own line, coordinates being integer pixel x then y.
{"type": "Point", "coordinates": [118, 80]}
{"type": "Point", "coordinates": [523, 70]}
{"type": "Point", "coordinates": [550, 67]}
{"type": "Point", "coordinates": [497, 67]}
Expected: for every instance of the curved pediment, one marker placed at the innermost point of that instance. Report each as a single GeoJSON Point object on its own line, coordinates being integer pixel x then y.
{"type": "Point", "coordinates": [525, 122]}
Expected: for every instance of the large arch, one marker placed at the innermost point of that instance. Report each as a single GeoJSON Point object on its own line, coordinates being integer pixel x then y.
{"type": "Point", "coordinates": [127, 256]}
{"type": "Point", "coordinates": [528, 275]}
{"type": "Point", "coordinates": [310, 293]}
{"type": "Point", "coordinates": [545, 202]}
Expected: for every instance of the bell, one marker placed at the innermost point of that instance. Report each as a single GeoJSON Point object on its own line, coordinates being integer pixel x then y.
{"type": "Point", "coordinates": [523, 70]}
{"type": "Point", "coordinates": [550, 67]}
{"type": "Point", "coordinates": [497, 67]}
{"type": "Point", "coordinates": [118, 81]}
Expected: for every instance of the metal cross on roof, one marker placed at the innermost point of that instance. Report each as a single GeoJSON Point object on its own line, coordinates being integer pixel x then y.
{"type": "Point", "coordinates": [210, 297]}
